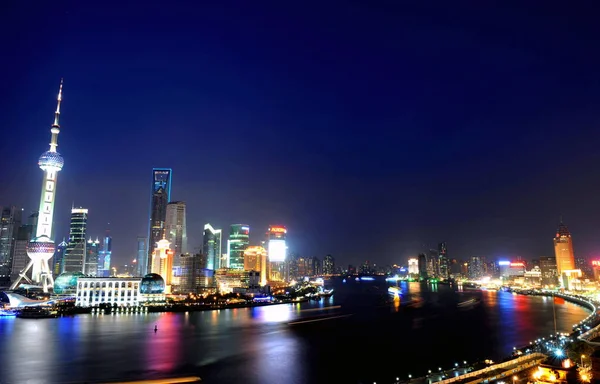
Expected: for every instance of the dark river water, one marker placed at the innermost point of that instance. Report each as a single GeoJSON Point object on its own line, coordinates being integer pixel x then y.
{"type": "Point", "coordinates": [257, 345]}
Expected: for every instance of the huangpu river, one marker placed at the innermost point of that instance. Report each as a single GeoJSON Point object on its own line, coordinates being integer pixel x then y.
{"type": "Point", "coordinates": [378, 342]}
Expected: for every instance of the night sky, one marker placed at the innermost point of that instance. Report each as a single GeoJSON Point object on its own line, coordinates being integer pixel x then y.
{"type": "Point", "coordinates": [370, 129]}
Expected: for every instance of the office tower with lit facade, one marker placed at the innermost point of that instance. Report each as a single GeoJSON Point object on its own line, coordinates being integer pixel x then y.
{"type": "Point", "coordinates": [563, 250]}
{"type": "Point", "coordinates": [142, 254]}
{"type": "Point", "coordinates": [10, 221]}
{"type": "Point", "coordinates": [255, 259]}
{"type": "Point", "coordinates": [59, 257]}
{"type": "Point", "coordinates": [41, 248]}
{"type": "Point", "coordinates": [74, 260]}
{"type": "Point", "coordinates": [239, 239]}
{"type": "Point", "coordinates": [476, 267]}
{"type": "Point", "coordinates": [277, 251]}
{"type": "Point", "coordinates": [549, 271]}
{"type": "Point", "coordinates": [162, 262]}
{"type": "Point", "coordinates": [211, 247]}
{"type": "Point", "coordinates": [105, 255]}
{"type": "Point", "coordinates": [20, 259]}
{"type": "Point", "coordinates": [413, 267]}
{"type": "Point", "coordinates": [328, 265]}
{"type": "Point", "coordinates": [91, 258]}
{"type": "Point", "coordinates": [160, 197]}
{"type": "Point", "coordinates": [443, 261]}
{"type": "Point", "coordinates": [195, 278]}
{"type": "Point", "coordinates": [175, 227]}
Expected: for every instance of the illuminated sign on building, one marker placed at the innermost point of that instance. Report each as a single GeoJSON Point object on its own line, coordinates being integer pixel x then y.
{"type": "Point", "coordinates": [277, 250]}
{"type": "Point", "coordinates": [517, 265]}
{"type": "Point", "coordinates": [278, 229]}
{"type": "Point", "coordinates": [504, 263]}
{"type": "Point", "coordinates": [596, 263]}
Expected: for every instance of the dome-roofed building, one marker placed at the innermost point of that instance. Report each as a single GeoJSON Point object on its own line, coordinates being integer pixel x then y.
{"type": "Point", "coordinates": [66, 282]}
{"type": "Point", "coordinates": [152, 283]}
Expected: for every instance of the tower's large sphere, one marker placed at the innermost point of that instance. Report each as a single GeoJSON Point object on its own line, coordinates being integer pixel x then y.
{"type": "Point", "coordinates": [152, 283]}
{"type": "Point", "coordinates": [40, 248]}
{"type": "Point", "coordinates": [51, 160]}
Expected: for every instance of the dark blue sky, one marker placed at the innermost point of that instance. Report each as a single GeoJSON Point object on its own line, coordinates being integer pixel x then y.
{"type": "Point", "coordinates": [368, 128]}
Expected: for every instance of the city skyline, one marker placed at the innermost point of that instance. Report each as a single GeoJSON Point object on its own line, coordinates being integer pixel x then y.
{"type": "Point", "coordinates": [297, 146]}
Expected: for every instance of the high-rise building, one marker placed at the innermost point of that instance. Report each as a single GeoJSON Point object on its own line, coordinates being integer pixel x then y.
{"type": "Point", "coordinates": [41, 248]}
{"type": "Point", "coordinates": [10, 221]}
{"type": "Point", "coordinates": [443, 261]}
{"type": "Point", "coordinates": [105, 255]}
{"type": "Point", "coordinates": [413, 266]}
{"type": "Point", "coordinates": [239, 239]}
{"type": "Point", "coordinates": [255, 259]}
{"type": "Point", "coordinates": [20, 259]}
{"type": "Point", "coordinates": [328, 265]}
{"type": "Point", "coordinates": [422, 263]}
{"type": "Point", "coordinates": [476, 267]}
{"type": "Point", "coordinates": [59, 257]}
{"type": "Point", "coordinates": [74, 260]}
{"type": "Point", "coordinates": [563, 250]}
{"type": "Point", "coordinates": [91, 259]}
{"type": "Point", "coordinates": [277, 252]}
{"type": "Point", "coordinates": [176, 231]}
{"type": "Point", "coordinates": [160, 197]}
{"type": "Point", "coordinates": [195, 278]}
{"type": "Point", "coordinates": [549, 270]}
{"type": "Point", "coordinates": [142, 254]}
{"type": "Point", "coordinates": [162, 263]}
{"type": "Point", "coordinates": [211, 247]}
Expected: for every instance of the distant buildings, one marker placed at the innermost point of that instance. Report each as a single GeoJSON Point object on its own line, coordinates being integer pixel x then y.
{"type": "Point", "coordinates": [176, 231]}
{"type": "Point", "coordinates": [20, 259]}
{"type": "Point", "coordinates": [75, 254]}
{"type": "Point", "coordinates": [10, 221]}
{"type": "Point", "coordinates": [105, 255]}
{"type": "Point", "coordinates": [422, 264]}
{"type": "Point", "coordinates": [563, 250]}
{"type": "Point", "coordinates": [443, 261]}
{"type": "Point", "coordinates": [549, 270]}
{"type": "Point", "coordinates": [328, 265]}
{"type": "Point", "coordinates": [211, 247]}
{"type": "Point", "coordinates": [239, 239]}
{"type": "Point", "coordinates": [91, 259]}
{"type": "Point", "coordinates": [59, 257]}
{"type": "Point", "coordinates": [476, 267]}
{"type": "Point", "coordinates": [413, 266]}
{"type": "Point", "coordinates": [142, 254]}
{"type": "Point", "coordinates": [195, 278]}
{"type": "Point", "coordinates": [160, 197]}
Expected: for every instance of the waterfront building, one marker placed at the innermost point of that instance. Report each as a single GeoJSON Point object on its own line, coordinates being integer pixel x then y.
{"type": "Point", "coordinates": [211, 247]}
{"type": "Point", "coordinates": [549, 271]}
{"type": "Point", "coordinates": [105, 255]}
{"type": "Point", "coordinates": [41, 248]}
{"type": "Point", "coordinates": [584, 266]}
{"type": "Point", "coordinates": [533, 278]}
{"type": "Point", "coordinates": [476, 267]}
{"type": "Point", "coordinates": [74, 260]}
{"type": "Point", "coordinates": [20, 259]}
{"type": "Point", "coordinates": [142, 253]}
{"type": "Point", "coordinates": [10, 221]}
{"type": "Point", "coordinates": [422, 264]}
{"type": "Point", "coordinates": [277, 251]}
{"type": "Point", "coordinates": [119, 291]}
{"type": "Point", "coordinates": [175, 228]}
{"type": "Point", "coordinates": [255, 259]}
{"type": "Point", "coordinates": [195, 277]}
{"type": "Point", "coordinates": [328, 265]}
{"type": "Point", "coordinates": [443, 261]}
{"type": "Point", "coordinates": [413, 267]}
{"type": "Point", "coordinates": [563, 249]}
{"type": "Point", "coordinates": [160, 197]}
{"type": "Point", "coordinates": [237, 281]}
{"type": "Point", "coordinates": [239, 239]}
{"type": "Point", "coordinates": [162, 262]}
{"type": "Point", "coordinates": [91, 259]}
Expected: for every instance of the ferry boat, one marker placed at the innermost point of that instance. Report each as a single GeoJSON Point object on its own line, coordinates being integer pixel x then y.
{"type": "Point", "coordinates": [326, 293]}
{"type": "Point", "coordinates": [7, 312]}
{"type": "Point", "coordinates": [37, 313]}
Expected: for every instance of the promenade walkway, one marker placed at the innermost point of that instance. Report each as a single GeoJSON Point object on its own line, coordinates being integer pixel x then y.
{"type": "Point", "coordinates": [494, 372]}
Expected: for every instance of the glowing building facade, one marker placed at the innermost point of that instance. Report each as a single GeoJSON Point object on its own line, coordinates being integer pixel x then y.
{"type": "Point", "coordinates": [10, 221]}
{"type": "Point", "coordinates": [255, 259]}
{"type": "Point", "coordinates": [161, 195]}
{"type": "Point", "coordinates": [239, 239]}
{"type": "Point", "coordinates": [104, 256]}
{"type": "Point", "coordinates": [41, 248]}
{"type": "Point", "coordinates": [122, 292]}
{"type": "Point", "coordinates": [277, 251]}
{"type": "Point", "coordinates": [176, 231]}
{"type": "Point", "coordinates": [413, 266]}
{"type": "Point", "coordinates": [162, 262]}
{"type": "Point", "coordinates": [328, 265]}
{"type": "Point", "coordinates": [211, 247]}
{"type": "Point", "coordinates": [142, 254]}
{"type": "Point", "coordinates": [74, 260]}
{"type": "Point", "coordinates": [91, 259]}
{"type": "Point", "coordinates": [563, 250]}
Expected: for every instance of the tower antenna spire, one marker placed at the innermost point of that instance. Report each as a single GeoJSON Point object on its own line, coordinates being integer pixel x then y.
{"type": "Point", "coordinates": [59, 99]}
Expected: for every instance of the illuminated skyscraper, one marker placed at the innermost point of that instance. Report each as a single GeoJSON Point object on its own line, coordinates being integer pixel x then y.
{"type": "Point", "coordinates": [413, 266]}
{"type": "Point", "coordinates": [105, 255]}
{"type": "Point", "coordinates": [328, 265]}
{"type": "Point", "coordinates": [176, 231]}
{"type": "Point", "coordinates": [239, 239]}
{"type": "Point", "coordinates": [161, 195]}
{"type": "Point", "coordinates": [24, 234]}
{"type": "Point", "coordinates": [10, 221]}
{"type": "Point", "coordinates": [211, 247]}
{"type": "Point", "coordinates": [142, 254]}
{"type": "Point", "coordinates": [563, 249]}
{"type": "Point", "coordinates": [91, 259]}
{"type": "Point", "coordinates": [41, 248]}
{"type": "Point", "coordinates": [443, 261]}
{"type": "Point", "coordinates": [74, 260]}
{"type": "Point", "coordinates": [59, 257]}
{"type": "Point", "coordinates": [162, 263]}
{"type": "Point", "coordinates": [255, 259]}
{"type": "Point", "coordinates": [277, 251]}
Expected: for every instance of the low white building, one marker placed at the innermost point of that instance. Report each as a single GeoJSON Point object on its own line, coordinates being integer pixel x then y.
{"type": "Point", "coordinates": [120, 291]}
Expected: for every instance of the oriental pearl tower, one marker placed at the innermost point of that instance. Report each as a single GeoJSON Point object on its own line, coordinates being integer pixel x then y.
{"type": "Point", "coordinates": [41, 248]}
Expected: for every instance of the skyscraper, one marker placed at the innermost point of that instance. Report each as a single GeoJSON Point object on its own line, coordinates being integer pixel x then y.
{"type": "Point", "coordinates": [211, 247]}
{"type": "Point", "coordinates": [20, 259]}
{"type": "Point", "coordinates": [91, 258]}
{"type": "Point", "coordinates": [443, 261]}
{"type": "Point", "coordinates": [59, 257]}
{"type": "Point", "coordinates": [10, 221]}
{"type": "Point", "coordinates": [74, 260]}
{"type": "Point", "coordinates": [277, 251]}
{"type": "Point", "coordinates": [176, 229]}
{"type": "Point", "coordinates": [142, 254]}
{"type": "Point", "coordinates": [194, 277]}
{"type": "Point", "coordinates": [41, 248]}
{"type": "Point", "coordinates": [239, 239]}
{"type": "Point", "coordinates": [162, 263]}
{"type": "Point", "coordinates": [549, 271]}
{"type": "Point", "coordinates": [161, 195]}
{"type": "Point", "coordinates": [255, 259]}
{"type": "Point", "coordinates": [328, 265]}
{"type": "Point", "coordinates": [563, 249]}
{"type": "Point", "coordinates": [104, 256]}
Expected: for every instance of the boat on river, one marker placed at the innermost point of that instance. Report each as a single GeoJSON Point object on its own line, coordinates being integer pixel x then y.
{"type": "Point", "coordinates": [37, 313]}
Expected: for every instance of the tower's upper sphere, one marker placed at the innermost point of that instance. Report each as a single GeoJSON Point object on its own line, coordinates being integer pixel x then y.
{"type": "Point", "coordinates": [40, 248]}
{"type": "Point", "coordinates": [51, 160]}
